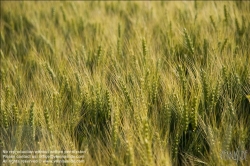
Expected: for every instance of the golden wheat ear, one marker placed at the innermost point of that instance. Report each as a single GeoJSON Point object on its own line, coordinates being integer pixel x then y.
{"type": "Point", "coordinates": [248, 97]}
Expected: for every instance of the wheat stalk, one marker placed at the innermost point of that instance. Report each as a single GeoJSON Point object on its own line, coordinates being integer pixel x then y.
{"type": "Point", "coordinates": [186, 117]}
{"type": "Point", "coordinates": [130, 153]}
{"type": "Point", "coordinates": [226, 15]}
{"type": "Point", "coordinates": [47, 119]}
{"type": "Point", "coordinates": [115, 127]}
{"type": "Point", "coordinates": [147, 144]}
{"type": "Point", "coordinates": [144, 48]}
{"type": "Point", "coordinates": [188, 41]}
{"type": "Point", "coordinates": [32, 120]}
{"type": "Point", "coordinates": [213, 23]}
{"type": "Point", "coordinates": [194, 113]}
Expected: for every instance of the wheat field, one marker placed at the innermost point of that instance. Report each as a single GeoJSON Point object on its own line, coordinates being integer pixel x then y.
{"type": "Point", "coordinates": [130, 83]}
